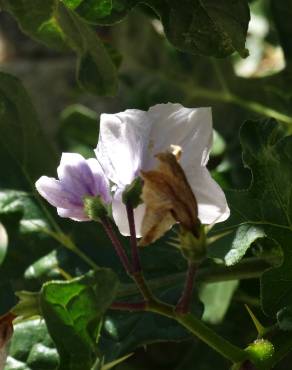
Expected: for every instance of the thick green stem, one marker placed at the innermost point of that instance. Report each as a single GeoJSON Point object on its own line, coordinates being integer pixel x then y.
{"type": "Point", "coordinates": [200, 330]}
{"type": "Point", "coordinates": [215, 341]}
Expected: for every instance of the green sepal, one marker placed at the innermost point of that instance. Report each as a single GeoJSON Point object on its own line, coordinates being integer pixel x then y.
{"type": "Point", "coordinates": [95, 208]}
{"type": "Point", "coordinates": [132, 193]}
{"type": "Point", "coordinates": [28, 305]}
{"type": "Point", "coordinates": [193, 247]}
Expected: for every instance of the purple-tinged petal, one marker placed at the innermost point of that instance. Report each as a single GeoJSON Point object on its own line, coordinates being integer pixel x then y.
{"type": "Point", "coordinates": [75, 175]}
{"type": "Point", "coordinates": [101, 183]}
{"type": "Point", "coordinates": [76, 214]}
{"type": "Point", "coordinates": [120, 215]}
{"type": "Point", "coordinates": [123, 139]}
{"type": "Point", "coordinates": [52, 190]}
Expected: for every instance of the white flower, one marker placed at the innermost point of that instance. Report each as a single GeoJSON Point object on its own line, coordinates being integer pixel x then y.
{"type": "Point", "coordinates": [129, 140]}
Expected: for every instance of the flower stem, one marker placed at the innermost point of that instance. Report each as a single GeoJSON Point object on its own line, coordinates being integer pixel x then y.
{"type": "Point", "coordinates": [117, 245]}
{"type": "Point", "coordinates": [183, 305]}
{"type": "Point", "coordinates": [135, 253]}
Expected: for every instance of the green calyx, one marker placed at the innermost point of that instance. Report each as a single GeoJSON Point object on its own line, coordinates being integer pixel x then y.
{"type": "Point", "coordinates": [28, 305]}
{"type": "Point", "coordinates": [132, 193]}
{"type": "Point", "coordinates": [95, 208]}
{"type": "Point", "coordinates": [193, 247]}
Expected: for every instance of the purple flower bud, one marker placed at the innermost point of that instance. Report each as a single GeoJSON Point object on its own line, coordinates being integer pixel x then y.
{"type": "Point", "coordinates": [78, 177]}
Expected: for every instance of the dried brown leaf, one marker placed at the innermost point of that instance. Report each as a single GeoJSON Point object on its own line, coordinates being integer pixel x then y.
{"type": "Point", "coordinates": [168, 198]}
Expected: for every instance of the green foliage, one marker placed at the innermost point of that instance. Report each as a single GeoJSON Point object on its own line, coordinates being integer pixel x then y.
{"type": "Point", "coordinates": [32, 348]}
{"type": "Point", "coordinates": [25, 224]}
{"type": "Point", "coordinates": [59, 27]}
{"type": "Point", "coordinates": [84, 332]}
{"type": "Point", "coordinates": [266, 204]}
{"type": "Point", "coordinates": [216, 298]}
{"type": "Point", "coordinates": [75, 308]}
{"type": "Point", "coordinates": [145, 327]}
{"type": "Point", "coordinates": [207, 28]}
{"type": "Point", "coordinates": [21, 137]}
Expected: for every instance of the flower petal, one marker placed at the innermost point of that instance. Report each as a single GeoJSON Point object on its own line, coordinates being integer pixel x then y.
{"type": "Point", "coordinates": [212, 204]}
{"type": "Point", "coordinates": [190, 128]}
{"type": "Point", "coordinates": [52, 190]}
{"type": "Point", "coordinates": [75, 175]}
{"type": "Point", "coordinates": [76, 214]}
{"type": "Point", "coordinates": [120, 215]}
{"type": "Point", "coordinates": [101, 183]}
{"type": "Point", "coordinates": [123, 138]}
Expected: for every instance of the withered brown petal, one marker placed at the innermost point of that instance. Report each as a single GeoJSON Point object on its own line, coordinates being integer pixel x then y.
{"type": "Point", "coordinates": [168, 199]}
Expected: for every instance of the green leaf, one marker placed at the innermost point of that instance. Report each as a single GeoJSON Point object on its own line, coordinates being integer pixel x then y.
{"type": "Point", "coordinates": [267, 204]}
{"type": "Point", "coordinates": [282, 13]}
{"type": "Point", "coordinates": [78, 131]}
{"type": "Point", "coordinates": [144, 327]}
{"type": "Point", "coordinates": [245, 236]}
{"type": "Point", "coordinates": [31, 347]}
{"type": "Point", "coordinates": [24, 222]}
{"type": "Point", "coordinates": [3, 242]}
{"type": "Point", "coordinates": [21, 138]}
{"type": "Point", "coordinates": [284, 318]}
{"type": "Point", "coordinates": [43, 269]}
{"type": "Point", "coordinates": [75, 308]}
{"type": "Point", "coordinates": [93, 9]}
{"type": "Point", "coordinates": [204, 27]}
{"type": "Point", "coordinates": [58, 26]}
{"type": "Point", "coordinates": [216, 298]}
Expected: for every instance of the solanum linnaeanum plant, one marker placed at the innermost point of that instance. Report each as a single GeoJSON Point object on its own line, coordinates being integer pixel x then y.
{"type": "Point", "coordinates": [181, 190]}
{"type": "Point", "coordinates": [182, 245]}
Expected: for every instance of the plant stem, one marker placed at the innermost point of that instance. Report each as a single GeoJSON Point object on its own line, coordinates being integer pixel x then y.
{"type": "Point", "coordinates": [135, 253]}
{"type": "Point", "coordinates": [215, 341]}
{"type": "Point", "coordinates": [143, 286]}
{"type": "Point", "coordinates": [200, 330]}
{"type": "Point", "coordinates": [117, 245]}
{"type": "Point", "coordinates": [184, 302]}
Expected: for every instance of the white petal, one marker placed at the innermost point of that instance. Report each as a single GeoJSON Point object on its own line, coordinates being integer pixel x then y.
{"type": "Point", "coordinates": [51, 189]}
{"type": "Point", "coordinates": [211, 199]}
{"type": "Point", "coordinates": [76, 214]}
{"type": "Point", "coordinates": [120, 215]}
{"type": "Point", "coordinates": [123, 138]}
{"type": "Point", "coordinates": [190, 128]}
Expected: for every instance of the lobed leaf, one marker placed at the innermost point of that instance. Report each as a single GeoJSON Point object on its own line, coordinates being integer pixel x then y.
{"type": "Point", "coordinates": [75, 308]}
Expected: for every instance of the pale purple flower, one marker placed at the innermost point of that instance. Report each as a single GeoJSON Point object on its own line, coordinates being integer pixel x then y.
{"type": "Point", "coordinates": [78, 177]}
{"type": "Point", "coordinates": [128, 142]}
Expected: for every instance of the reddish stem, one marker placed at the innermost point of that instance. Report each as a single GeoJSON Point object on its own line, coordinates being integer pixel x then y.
{"type": "Point", "coordinates": [133, 239]}
{"type": "Point", "coordinates": [117, 245]}
{"type": "Point", "coordinates": [183, 305]}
